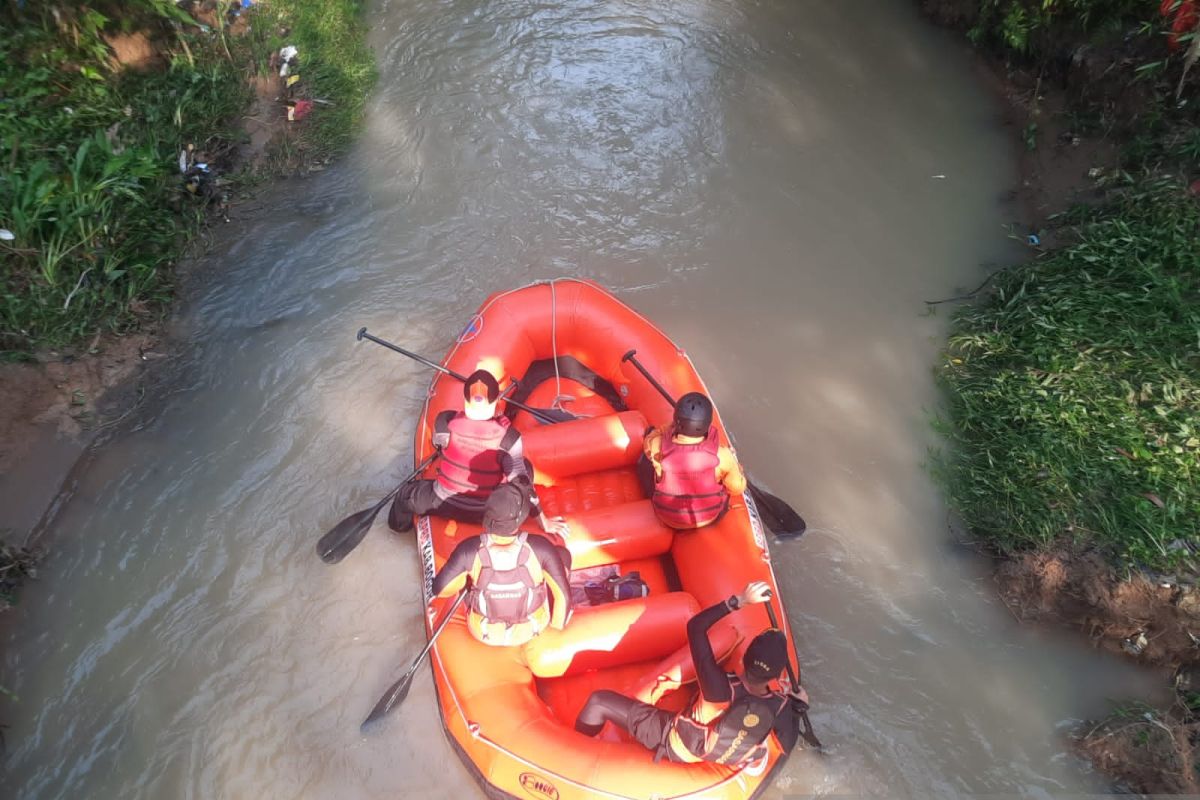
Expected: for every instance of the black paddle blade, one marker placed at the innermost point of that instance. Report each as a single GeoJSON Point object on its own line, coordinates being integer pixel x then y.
{"type": "Point", "coordinates": [776, 514]}
{"type": "Point", "coordinates": [391, 698]}
{"type": "Point", "coordinates": [347, 534]}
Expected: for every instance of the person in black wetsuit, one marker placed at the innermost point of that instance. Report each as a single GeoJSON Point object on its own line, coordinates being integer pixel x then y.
{"type": "Point", "coordinates": [731, 718]}
{"type": "Point", "coordinates": [517, 581]}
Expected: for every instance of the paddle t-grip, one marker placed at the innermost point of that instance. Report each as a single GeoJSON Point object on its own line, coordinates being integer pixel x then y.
{"type": "Point", "coordinates": [361, 333]}
{"type": "Point", "coordinates": [646, 374]}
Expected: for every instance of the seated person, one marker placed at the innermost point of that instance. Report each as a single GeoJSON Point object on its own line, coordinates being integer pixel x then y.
{"type": "Point", "coordinates": [729, 721]}
{"type": "Point", "coordinates": [685, 472]}
{"type": "Point", "coordinates": [480, 451]}
{"type": "Point", "coordinates": [518, 580]}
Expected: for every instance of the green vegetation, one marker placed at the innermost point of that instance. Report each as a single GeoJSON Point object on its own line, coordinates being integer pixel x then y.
{"type": "Point", "coordinates": [335, 62]}
{"type": "Point", "coordinates": [90, 188]}
{"type": "Point", "coordinates": [1034, 26]}
{"type": "Point", "coordinates": [1074, 389]}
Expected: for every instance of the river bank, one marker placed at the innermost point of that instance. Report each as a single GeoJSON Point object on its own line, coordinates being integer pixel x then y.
{"type": "Point", "coordinates": [132, 130]}
{"type": "Point", "coordinates": [1072, 381]}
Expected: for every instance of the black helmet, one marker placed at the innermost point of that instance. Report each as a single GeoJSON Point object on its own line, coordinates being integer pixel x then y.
{"type": "Point", "coordinates": [693, 415]}
{"type": "Point", "coordinates": [766, 656]}
{"type": "Point", "coordinates": [507, 507]}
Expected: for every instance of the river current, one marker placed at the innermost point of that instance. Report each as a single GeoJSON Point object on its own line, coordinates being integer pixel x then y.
{"type": "Point", "coordinates": [779, 185]}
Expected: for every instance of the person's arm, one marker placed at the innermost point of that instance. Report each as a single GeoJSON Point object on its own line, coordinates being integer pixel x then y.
{"type": "Point", "coordinates": [652, 447]}
{"type": "Point", "coordinates": [441, 428]}
{"type": "Point", "coordinates": [452, 577]}
{"type": "Point", "coordinates": [556, 579]}
{"type": "Point", "coordinates": [729, 471]}
{"type": "Point", "coordinates": [517, 471]}
{"type": "Point", "coordinates": [713, 684]}
{"type": "Point", "coordinates": [512, 461]}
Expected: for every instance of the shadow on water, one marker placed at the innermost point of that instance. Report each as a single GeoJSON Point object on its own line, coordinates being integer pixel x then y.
{"type": "Point", "coordinates": [761, 181]}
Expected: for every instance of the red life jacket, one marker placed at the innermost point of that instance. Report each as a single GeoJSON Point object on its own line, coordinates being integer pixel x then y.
{"type": "Point", "coordinates": [689, 494]}
{"type": "Point", "coordinates": [470, 463]}
{"type": "Point", "coordinates": [733, 735]}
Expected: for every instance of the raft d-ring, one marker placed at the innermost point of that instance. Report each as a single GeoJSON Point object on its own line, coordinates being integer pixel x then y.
{"type": "Point", "coordinates": [473, 728]}
{"type": "Point", "coordinates": [766, 555]}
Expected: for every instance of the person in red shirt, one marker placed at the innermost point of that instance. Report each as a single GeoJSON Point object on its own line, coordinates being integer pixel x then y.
{"type": "Point", "coordinates": [480, 451]}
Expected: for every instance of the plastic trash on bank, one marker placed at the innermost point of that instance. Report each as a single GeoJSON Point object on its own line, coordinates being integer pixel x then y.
{"type": "Point", "coordinates": [287, 59]}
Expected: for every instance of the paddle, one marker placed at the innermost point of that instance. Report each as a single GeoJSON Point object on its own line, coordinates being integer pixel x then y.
{"type": "Point", "coordinates": [802, 707]}
{"type": "Point", "coordinates": [547, 415]}
{"type": "Point", "coordinates": [780, 517]}
{"type": "Point", "coordinates": [347, 534]}
{"type": "Point", "coordinates": [395, 695]}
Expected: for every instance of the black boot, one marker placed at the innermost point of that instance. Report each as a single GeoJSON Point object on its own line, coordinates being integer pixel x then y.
{"type": "Point", "coordinates": [586, 729]}
{"type": "Point", "coordinates": [400, 519]}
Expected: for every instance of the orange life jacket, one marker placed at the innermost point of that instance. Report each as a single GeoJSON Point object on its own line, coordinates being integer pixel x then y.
{"type": "Point", "coordinates": [732, 733]}
{"type": "Point", "coordinates": [689, 494]}
{"type": "Point", "coordinates": [509, 603]}
{"type": "Point", "coordinates": [470, 463]}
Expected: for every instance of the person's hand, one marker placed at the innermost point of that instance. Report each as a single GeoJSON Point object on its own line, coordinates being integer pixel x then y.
{"type": "Point", "coordinates": [755, 592]}
{"type": "Point", "coordinates": [658, 470]}
{"type": "Point", "coordinates": [440, 440]}
{"type": "Point", "coordinates": [556, 525]}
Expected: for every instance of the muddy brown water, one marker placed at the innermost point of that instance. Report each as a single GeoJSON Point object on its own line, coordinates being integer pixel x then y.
{"type": "Point", "coordinates": [779, 185]}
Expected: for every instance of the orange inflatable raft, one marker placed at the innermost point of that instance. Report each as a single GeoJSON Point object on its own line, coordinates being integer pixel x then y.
{"type": "Point", "coordinates": [510, 711]}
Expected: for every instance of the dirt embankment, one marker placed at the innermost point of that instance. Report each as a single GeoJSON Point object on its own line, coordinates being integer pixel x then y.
{"type": "Point", "coordinates": [55, 404]}
{"type": "Point", "coordinates": [1074, 115]}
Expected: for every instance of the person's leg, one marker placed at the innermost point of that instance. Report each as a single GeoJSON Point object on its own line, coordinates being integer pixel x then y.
{"type": "Point", "coordinates": [647, 724]}
{"type": "Point", "coordinates": [463, 508]}
{"type": "Point", "coordinates": [603, 706]}
{"type": "Point", "coordinates": [415, 498]}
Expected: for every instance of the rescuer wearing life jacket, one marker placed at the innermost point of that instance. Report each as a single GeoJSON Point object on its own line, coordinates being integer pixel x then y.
{"type": "Point", "coordinates": [688, 475]}
{"type": "Point", "coordinates": [480, 451]}
{"type": "Point", "coordinates": [730, 720]}
{"type": "Point", "coordinates": [518, 580]}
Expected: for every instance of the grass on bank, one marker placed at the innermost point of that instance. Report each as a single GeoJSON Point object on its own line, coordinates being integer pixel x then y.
{"type": "Point", "coordinates": [89, 185]}
{"type": "Point", "coordinates": [1073, 391]}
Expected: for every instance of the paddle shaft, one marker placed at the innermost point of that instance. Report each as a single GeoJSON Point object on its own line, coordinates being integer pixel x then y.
{"type": "Point", "coordinates": [399, 690]}
{"type": "Point", "coordinates": [362, 334]}
{"type": "Point", "coordinates": [429, 459]}
{"type": "Point", "coordinates": [775, 624]}
{"type": "Point", "coordinates": [537, 412]}
{"type": "Point", "coordinates": [807, 732]}
{"type": "Point", "coordinates": [417, 471]}
{"type": "Point", "coordinates": [631, 358]}
{"type": "Point", "coordinates": [349, 533]}
{"type": "Point", "coordinates": [438, 631]}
